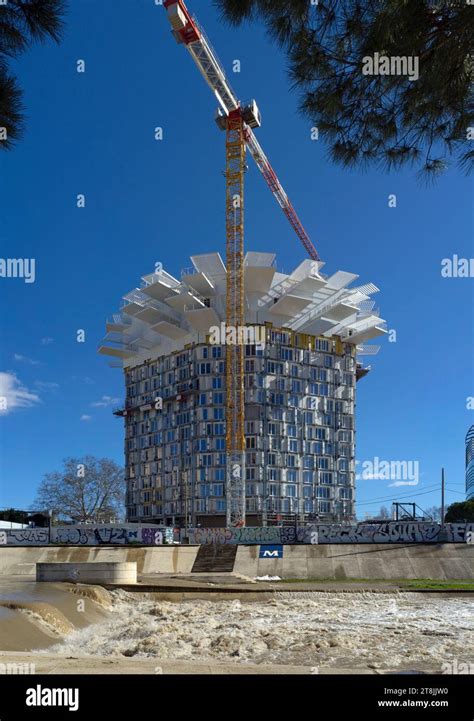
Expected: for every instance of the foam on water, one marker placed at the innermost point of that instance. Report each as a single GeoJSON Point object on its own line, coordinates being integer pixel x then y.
{"type": "Point", "coordinates": [398, 631]}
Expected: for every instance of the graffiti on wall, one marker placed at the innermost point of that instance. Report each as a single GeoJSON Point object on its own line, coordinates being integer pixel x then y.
{"type": "Point", "coordinates": [390, 532]}
{"type": "Point", "coordinates": [129, 534]}
{"type": "Point", "coordinates": [380, 533]}
{"type": "Point", "coordinates": [247, 534]}
{"type": "Point", "coordinates": [24, 537]}
{"type": "Point", "coordinates": [87, 536]}
{"type": "Point", "coordinates": [109, 535]}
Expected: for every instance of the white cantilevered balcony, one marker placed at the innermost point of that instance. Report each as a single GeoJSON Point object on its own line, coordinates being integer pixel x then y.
{"type": "Point", "coordinates": [165, 313]}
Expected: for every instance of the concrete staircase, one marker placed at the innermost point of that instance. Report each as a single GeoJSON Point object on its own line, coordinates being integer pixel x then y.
{"type": "Point", "coordinates": [215, 558]}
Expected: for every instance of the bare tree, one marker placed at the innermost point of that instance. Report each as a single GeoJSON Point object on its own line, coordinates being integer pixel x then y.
{"type": "Point", "coordinates": [434, 512]}
{"type": "Point", "coordinates": [86, 490]}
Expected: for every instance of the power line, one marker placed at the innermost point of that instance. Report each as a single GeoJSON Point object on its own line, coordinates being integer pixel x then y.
{"type": "Point", "coordinates": [413, 495]}
{"type": "Point", "coordinates": [407, 495]}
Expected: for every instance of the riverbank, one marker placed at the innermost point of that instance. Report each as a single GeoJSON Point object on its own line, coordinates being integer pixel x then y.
{"type": "Point", "coordinates": [52, 664]}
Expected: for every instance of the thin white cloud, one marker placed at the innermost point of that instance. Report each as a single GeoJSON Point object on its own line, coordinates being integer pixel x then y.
{"type": "Point", "coordinates": [46, 386]}
{"type": "Point", "coordinates": [14, 395]}
{"type": "Point", "coordinates": [366, 476]}
{"type": "Point", "coordinates": [105, 402]}
{"type": "Point", "coordinates": [25, 359]}
{"type": "Point", "coordinates": [47, 341]}
{"type": "Point", "coordinates": [403, 483]}
{"type": "Point", "coordinates": [85, 417]}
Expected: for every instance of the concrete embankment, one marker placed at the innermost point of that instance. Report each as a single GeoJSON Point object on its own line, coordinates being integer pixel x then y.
{"type": "Point", "coordinates": [337, 561]}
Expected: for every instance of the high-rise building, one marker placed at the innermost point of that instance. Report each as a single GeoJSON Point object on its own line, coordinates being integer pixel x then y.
{"type": "Point", "coordinates": [303, 336]}
{"type": "Point", "coordinates": [470, 464]}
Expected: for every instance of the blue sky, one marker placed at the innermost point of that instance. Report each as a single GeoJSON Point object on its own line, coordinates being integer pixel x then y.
{"type": "Point", "coordinates": [149, 201]}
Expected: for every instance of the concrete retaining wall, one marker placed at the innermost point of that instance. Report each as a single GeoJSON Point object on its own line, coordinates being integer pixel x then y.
{"type": "Point", "coordinates": [112, 572]}
{"type": "Point", "coordinates": [163, 559]}
{"type": "Point", "coordinates": [443, 561]}
{"type": "Point", "coordinates": [436, 561]}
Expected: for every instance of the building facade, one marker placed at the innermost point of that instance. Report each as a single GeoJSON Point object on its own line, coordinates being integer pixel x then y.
{"type": "Point", "coordinates": [470, 464]}
{"type": "Point", "coordinates": [299, 393]}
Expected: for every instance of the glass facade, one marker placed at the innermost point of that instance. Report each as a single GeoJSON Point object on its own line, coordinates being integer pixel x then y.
{"type": "Point", "coordinates": [470, 464]}
{"type": "Point", "coordinates": [299, 430]}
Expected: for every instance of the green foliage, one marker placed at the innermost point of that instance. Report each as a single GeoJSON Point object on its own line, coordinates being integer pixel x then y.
{"type": "Point", "coordinates": [458, 512]}
{"type": "Point", "coordinates": [383, 119]}
{"type": "Point", "coordinates": [22, 22]}
{"type": "Point", "coordinates": [14, 516]}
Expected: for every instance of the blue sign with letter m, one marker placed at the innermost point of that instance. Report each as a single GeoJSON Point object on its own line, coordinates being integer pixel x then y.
{"type": "Point", "coordinates": [271, 551]}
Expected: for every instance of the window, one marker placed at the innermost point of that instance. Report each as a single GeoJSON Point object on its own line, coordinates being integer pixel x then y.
{"type": "Point", "coordinates": [326, 478]}
{"type": "Point", "coordinates": [307, 476]}
{"type": "Point", "coordinates": [323, 492]}
{"type": "Point", "coordinates": [217, 382]}
{"type": "Point", "coordinates": [291, 491]}
{"type": "Point", "coordinates": [322, 345]}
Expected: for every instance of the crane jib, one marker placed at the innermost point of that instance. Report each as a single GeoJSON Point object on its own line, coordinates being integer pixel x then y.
{"type": "Point", "coordinates": [188, 32]}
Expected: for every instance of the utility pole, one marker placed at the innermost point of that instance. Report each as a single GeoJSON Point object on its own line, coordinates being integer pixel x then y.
{"type": "Point", "coordinates": [442, 500]}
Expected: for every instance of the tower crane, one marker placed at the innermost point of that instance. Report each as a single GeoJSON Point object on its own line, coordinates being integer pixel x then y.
{"type": "Point", "coordinates": [238, 121]}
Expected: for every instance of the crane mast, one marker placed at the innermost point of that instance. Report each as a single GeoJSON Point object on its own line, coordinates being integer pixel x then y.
{"type": "Point", "coordinates": [238, 122]}
{"type": "Point", "coordinates": [235, 318]}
